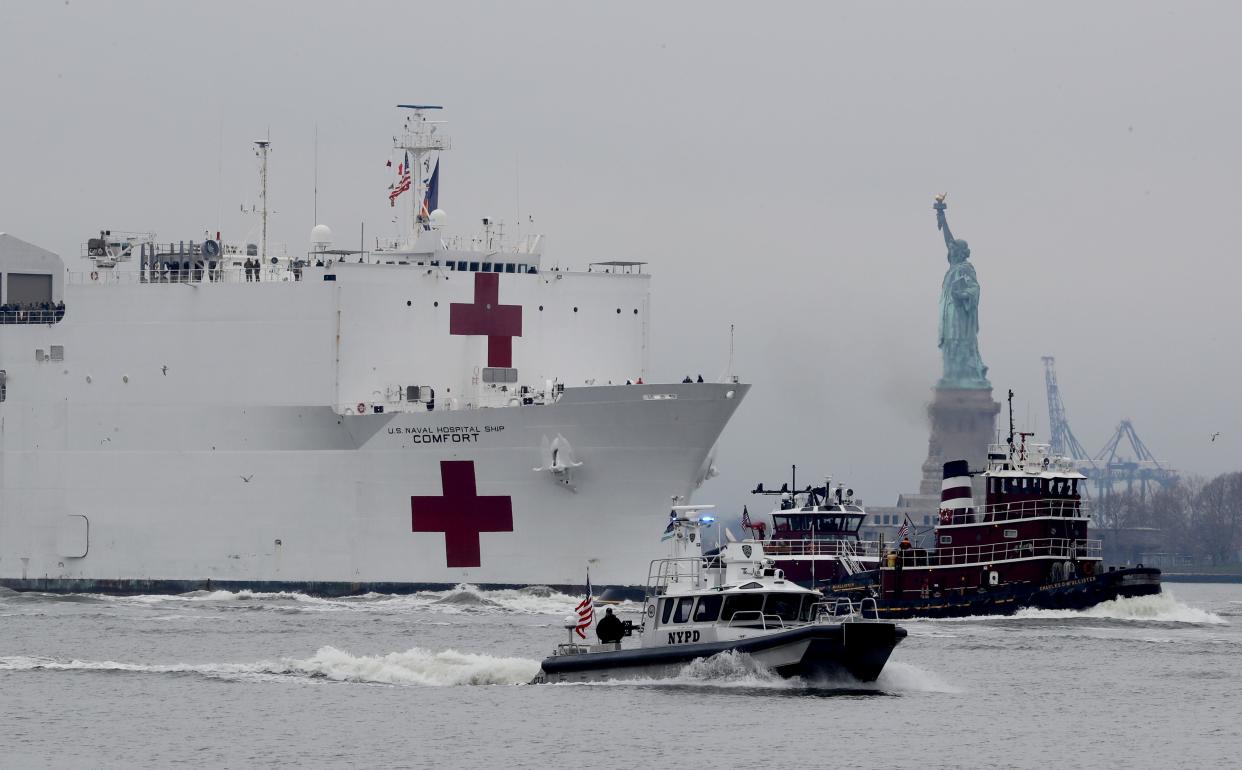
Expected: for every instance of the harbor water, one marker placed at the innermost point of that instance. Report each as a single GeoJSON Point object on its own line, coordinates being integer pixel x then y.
{"type": "Point", "coordinates": [219, 679]}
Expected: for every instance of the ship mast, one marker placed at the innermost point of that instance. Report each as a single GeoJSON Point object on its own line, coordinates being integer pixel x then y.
{"type": "Point", "coordinates": [264, 146]}
{"type": "Point", "coordinates": [418, 138]}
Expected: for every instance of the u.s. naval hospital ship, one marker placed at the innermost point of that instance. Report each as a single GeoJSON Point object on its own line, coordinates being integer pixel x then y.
{"type": "Point", "coordinates": [185, 415]}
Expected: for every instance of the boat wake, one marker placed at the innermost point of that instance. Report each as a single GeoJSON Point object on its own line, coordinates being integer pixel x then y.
{"type": "Point", "coordinates": [463, 598]}
{"type": "Point", "coordinates": [1158, 608]}
{"type": "Point", "coordinates": [415, 666]}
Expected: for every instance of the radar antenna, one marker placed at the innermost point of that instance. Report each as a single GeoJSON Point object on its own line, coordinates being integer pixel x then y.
{"type": "Point", "coordinates": [419, 137]}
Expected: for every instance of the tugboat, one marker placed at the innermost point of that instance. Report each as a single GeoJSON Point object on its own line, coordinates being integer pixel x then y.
{"type": "Point", "coordinates": [814, 536]}
{"type": "Point", "coordinates": [732, 598]}
{"type": "Point", "coordinates": [1027, 546]}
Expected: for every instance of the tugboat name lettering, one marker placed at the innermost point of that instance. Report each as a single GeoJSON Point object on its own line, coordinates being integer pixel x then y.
{"type": "Point", "coordinates": [682, 637]}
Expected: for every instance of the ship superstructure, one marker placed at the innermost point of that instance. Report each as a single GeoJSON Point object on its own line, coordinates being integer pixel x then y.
{"type": "Point", "coordinates": [178, 414]}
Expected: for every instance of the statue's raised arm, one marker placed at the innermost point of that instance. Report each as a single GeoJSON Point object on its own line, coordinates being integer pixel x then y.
{"type": "Point", "coordinates": [942, 223]}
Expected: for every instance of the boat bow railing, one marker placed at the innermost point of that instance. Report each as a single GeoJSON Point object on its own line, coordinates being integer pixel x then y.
{"type": "Point", "coordinates": [755, 619]}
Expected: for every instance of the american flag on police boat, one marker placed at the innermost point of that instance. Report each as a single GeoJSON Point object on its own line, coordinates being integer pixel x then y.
{"type": "Point", "coordinates": [403, 183]}
{"type": "Point", "coordinates": [585, 610]}
{"type": "Point", "coordinates": [670, 530]}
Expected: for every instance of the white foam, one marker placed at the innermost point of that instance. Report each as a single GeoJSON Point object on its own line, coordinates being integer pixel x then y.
{"type": "Point", "coordinates": [463, 598]}
{"type": "Point", "coordinates": [1160, 608]}
{"type": "Point", "coordinates": [898, 677]}
{"type": "Point", "coordinates": [415, 666]}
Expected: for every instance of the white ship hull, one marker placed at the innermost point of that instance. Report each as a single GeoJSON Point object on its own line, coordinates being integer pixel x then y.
{"type": "Point", "coordinates": [301, 498]}
{"type": "Point", "coordinates": [177, 414]}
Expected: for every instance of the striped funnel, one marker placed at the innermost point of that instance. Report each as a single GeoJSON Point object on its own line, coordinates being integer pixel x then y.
{"type": "Point", "coordinates": [955, 489]}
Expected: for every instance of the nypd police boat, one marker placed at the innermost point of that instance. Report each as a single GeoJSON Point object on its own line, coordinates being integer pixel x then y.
{"type": "Point", "coordinates": [730, 599]}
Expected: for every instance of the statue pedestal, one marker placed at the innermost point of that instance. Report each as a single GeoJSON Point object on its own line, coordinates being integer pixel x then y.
{"type": "Point", "coordinates": [963, 423]}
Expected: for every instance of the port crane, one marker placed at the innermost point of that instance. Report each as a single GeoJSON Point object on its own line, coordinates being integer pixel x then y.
{"type": "Point", "coordinates": [1109, 469]}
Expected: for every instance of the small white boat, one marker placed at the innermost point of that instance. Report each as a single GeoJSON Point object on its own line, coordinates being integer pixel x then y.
{"type": "Point", "coordinates": [732, 598]}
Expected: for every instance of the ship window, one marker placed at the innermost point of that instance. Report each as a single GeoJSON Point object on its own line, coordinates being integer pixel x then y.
{"type": "Point", "coordinates": [510, 267]}
{"type": "Point", "coordinates": [684, 606]}
{"type": "Point", "coordinates": [1011, 533]}
{"type": "Point", "coordinates": [461, 265]}
{"type": "Point", "coordinates": [750, 603]}
{"type": "Point", "coordinates": [946, 539]}
{"type": "Point", "coordinates": [784, 606]}
{"type": "Point", "coordinates": [668, 610]}
{"type": "Point", "coordinates": [708, 608]}
{"type": "Point", "coordinates": [474, 267]}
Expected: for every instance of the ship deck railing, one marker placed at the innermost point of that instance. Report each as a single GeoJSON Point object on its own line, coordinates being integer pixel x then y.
{"type": "Point", "coordinates": [192, 275]}
{"type": "Point", "coordinates": [1056, 548]}
{"type": "Point", "coordinates": [813, 547]}
{"type": "Point", "coordinates": [32, 316]}
{"type": "Point", "coordinates": [1055, 507]}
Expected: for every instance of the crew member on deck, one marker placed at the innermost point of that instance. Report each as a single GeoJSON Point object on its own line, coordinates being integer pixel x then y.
{"type": "Point", "coordinates": [609, 629]}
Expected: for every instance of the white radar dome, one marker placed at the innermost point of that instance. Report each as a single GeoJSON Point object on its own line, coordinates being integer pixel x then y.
{"type": "Point", "coordinates": [321, 237]}
{"type": "Point", "coordinates": [438, 217]}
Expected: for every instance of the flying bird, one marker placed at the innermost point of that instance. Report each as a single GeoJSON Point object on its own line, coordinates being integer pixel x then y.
{"type": "Point", "coordinates": [247, 478]}
{"type": "Point", "coordinates": [1214, 435]}
{"type": "Point", "coordinates": [165, 369]}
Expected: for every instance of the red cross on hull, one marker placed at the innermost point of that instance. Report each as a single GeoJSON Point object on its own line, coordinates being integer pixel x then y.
{"type": "Point", "coordinates": [486, 316]}
{"type": "Point", "coordinates": [461, 514]}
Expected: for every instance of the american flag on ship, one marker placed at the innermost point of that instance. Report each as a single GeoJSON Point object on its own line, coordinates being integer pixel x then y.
{"type": "Point", "coordinates": [670, 530]}
{"type": "Point", "coordinates": [403, 182]}
{"type": "Point", "coordinates": [585, 610]}
{"type": "Point", "coordinates": [904, 531]}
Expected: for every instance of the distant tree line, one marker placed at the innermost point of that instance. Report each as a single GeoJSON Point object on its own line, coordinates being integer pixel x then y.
{"type": "Point", "coordinates": [1196, 518]}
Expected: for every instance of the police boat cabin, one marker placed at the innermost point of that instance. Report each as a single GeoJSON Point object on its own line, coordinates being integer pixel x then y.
{"type": "Point", "coordinates": [731, 598]}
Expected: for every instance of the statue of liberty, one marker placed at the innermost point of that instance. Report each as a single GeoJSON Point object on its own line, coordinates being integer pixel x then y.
{"type": "Point", "coordinates": [959, 314]}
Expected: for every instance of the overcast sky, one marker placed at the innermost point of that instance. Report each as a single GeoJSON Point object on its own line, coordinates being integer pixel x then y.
{"type": "Point", "coordinates": [775, 163]}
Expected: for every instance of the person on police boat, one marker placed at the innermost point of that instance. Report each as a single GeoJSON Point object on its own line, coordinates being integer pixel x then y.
{"type": "Point", "coordinates": [609, 629]}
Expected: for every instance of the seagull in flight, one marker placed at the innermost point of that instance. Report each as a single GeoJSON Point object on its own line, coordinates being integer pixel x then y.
{"type": "Point", "coordinates": [247, 478]}
{"type": "Point", "coordinates": [1214, 435]}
